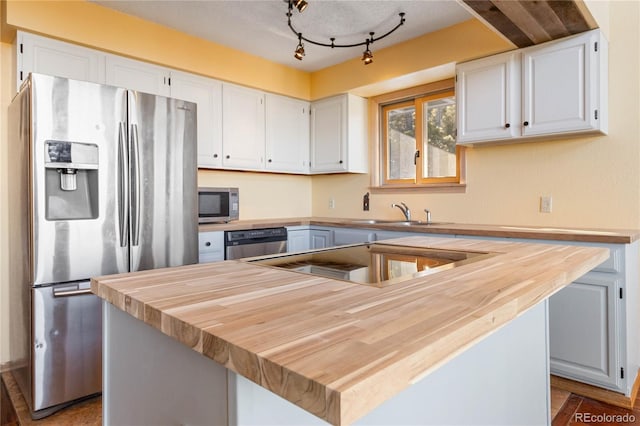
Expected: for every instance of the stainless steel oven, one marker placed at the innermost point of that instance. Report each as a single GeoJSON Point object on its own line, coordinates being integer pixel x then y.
{"type": "Point", "coordinates": [255, 242]}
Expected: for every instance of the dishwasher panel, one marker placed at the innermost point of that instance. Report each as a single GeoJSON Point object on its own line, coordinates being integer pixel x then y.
{"type": "Point", "coordinates": [255, 242]}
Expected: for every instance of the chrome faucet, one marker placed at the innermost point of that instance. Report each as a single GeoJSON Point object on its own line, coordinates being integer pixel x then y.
{"type": "Point", "coordinates": [405, 210]}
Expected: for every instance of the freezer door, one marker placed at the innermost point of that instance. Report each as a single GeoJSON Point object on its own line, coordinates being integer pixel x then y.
{"type": "Point", "coordinates": [163, 195]}
{"type": "Point", "coordinates": [67, 344]}
{"type": "Point", "coordinates": [79, 180]}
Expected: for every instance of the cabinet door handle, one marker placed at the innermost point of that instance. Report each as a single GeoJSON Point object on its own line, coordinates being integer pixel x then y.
{"type": "Point", "coordinates": [228, 156]}
{"type": "Point", "coordinates": [215, 155]}
{"type": "Point", "coordinates": [340, 161]}
{"type": "Point", "coordinates": [526, 123]}
{"type": "Point", "coordinates": [506, 126]}
{"type": "Point", "coordinates": [208, 244]}
{"type": "Point", "coordinates": [269, 160]}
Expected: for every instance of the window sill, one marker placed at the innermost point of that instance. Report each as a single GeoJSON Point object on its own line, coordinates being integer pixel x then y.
{"type": "Point", "coordinates": [456, 188]}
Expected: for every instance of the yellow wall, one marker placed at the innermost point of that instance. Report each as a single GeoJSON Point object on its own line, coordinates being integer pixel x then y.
{"type": "Point", "coordinates": [594, 181]}
{"type": "Point", "coordinates": [467, 40]}
{"type": "Point", "coordinates": [265, 195]}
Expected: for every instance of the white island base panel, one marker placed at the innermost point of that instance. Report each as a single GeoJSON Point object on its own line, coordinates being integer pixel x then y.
{"type": "Point", "coordinates": [151, 379]}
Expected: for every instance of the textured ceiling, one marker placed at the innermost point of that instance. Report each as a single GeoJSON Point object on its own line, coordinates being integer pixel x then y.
{"type": "Point", "coordinates": [260, 27]}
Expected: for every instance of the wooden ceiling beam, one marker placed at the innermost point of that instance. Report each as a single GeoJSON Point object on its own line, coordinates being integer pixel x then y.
{"type": "Point", "coordinates": [530, 22]}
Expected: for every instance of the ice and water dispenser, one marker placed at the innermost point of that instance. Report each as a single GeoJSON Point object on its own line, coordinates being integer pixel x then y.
{"type": "Point", "coordinates": [71, 180]}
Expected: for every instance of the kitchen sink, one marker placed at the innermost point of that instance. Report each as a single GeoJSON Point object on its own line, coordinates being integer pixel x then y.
{"type": "Point", "coordinates": [371, 221]}
{"type": "Point", "coordinates": [395, 222]}
{"type": "Point", "coordinates": [419, 223]}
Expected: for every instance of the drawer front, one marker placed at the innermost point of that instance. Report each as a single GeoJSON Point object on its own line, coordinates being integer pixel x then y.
{"type": "Point", "coordinates": [210, 242]}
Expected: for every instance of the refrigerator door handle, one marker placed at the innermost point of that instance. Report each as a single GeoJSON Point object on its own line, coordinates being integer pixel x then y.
{"type": "Point", "coordinates": [135, 187]}
{"type": "Point", "coordinates": [67, 293]}
{"type": "Point", "coordinates": [123, 204]}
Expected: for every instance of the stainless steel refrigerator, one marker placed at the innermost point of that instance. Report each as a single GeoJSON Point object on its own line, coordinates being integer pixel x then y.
{"type": "Point", "coordinates": [102, 181]}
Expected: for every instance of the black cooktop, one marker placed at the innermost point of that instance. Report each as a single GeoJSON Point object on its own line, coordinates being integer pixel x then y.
{"type": "Point", "coordinates": [372, 264]}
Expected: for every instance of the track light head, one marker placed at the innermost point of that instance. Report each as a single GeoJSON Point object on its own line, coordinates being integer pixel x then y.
{"type": "Point", "coordinates": [367, 56]}
{"type": "Point", "coordinates": [299, 53]}
{"type": "Point", "coordinates": [301, 5]}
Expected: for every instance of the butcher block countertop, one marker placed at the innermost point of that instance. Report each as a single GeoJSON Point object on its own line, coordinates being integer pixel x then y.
{"type": "Point", "coordinates": [335, 348]}
{"type": "Point", "coordinates": [613, 236]}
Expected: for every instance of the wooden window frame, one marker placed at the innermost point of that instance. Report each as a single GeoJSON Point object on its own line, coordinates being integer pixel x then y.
{"type": "Point", "coordinates": [378, 145]}
{"type": "Point", "coordinates": [384, 147]}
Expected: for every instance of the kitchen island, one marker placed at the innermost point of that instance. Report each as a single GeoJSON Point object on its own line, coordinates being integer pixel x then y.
{"type": "Point", "coordinates": [344, 352]}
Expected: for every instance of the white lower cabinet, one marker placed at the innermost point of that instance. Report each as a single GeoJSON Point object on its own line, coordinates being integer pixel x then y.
{"type": "Point", "coordinates": [343, 236]}
{"type": "Point", "coordinates": [298, 238]}
{"type": "Point", "coordinates": [583, 338]}
{"type": "Point", "coordinates": [210, 246]}
{"type": "Point", "coordinates": [306, 237]}
{"type": "Point", "coordinates": [594, 323]}
{"type": "Point", "coordinates": [320, 238]}
{"type": "Point", "coordinates": [387, 235]}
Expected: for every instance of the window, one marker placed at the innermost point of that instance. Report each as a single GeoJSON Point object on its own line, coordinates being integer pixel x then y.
{"type": "Point", "coordinates": [418, 140]}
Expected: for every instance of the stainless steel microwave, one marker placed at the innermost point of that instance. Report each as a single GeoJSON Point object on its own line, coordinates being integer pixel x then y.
{"type": "Point", "coordinates": [218, 204]}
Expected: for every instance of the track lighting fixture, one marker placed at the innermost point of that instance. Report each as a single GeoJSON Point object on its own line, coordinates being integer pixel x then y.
{"type": "Point", "coordinates": [299, 49]}
{"type": "Point", "coordinates": [367, 56]}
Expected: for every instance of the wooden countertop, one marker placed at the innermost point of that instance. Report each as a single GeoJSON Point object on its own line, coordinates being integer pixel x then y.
{"type": "Point", "coordinates": [335, 348]}
{"type": "Point", "coordinates": [613, 236]}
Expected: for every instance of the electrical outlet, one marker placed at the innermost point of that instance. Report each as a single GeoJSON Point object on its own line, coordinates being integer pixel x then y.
{"type": "Point", "coordinates": [332, 203]}
{"type": "Point", "coordinates": [546, 204]}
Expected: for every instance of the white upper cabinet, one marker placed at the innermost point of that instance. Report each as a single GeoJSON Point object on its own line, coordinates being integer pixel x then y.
{"type": "Point", "coordinates": [562, 83]}
{"type": "Point", "coordinates": [207, 94]}
{"type": "Point", "coordinates": [52, 57]}
{"type": "Point", "coordinates": [552, 89]}
{"type": "Point", "coordinates": [488, 95]}
{"type": "Point", "coordinates": [238, 128]}
{"type": "Point", "coordinates": [137, 75]}
{"type": "Point", "coordinates": [287, 137]}
{"type": "Point", "coordinates": [243, 128]}
{"type": "Point", "coordinates": [339, 135]}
